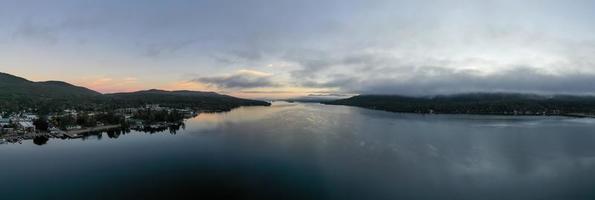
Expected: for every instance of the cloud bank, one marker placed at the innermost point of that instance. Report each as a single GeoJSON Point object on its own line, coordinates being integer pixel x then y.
{"type": "Point", "coordinates": [350, 46]}
{"type": "Point", "coordinates": [242, 79]}
{"type": "Point", "coordinates": [450, 82]}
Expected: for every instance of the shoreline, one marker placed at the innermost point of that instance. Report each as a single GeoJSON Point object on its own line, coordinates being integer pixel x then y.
{"type": "Point", "coordinates": [60, 134]}
{"type": "Point", "coordinates": [570, 115]}
{"type": "Point", "coordinates": [578, 115]}
{"type": "Point", "coordinates": [81, 132]}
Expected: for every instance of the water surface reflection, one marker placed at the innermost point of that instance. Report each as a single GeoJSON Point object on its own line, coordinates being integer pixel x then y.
{"type": "Point", "coordinates": [311, 151]}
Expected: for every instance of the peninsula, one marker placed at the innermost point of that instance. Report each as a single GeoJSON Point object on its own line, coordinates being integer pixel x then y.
{"type": "Point", "coordinates": [53, 108]}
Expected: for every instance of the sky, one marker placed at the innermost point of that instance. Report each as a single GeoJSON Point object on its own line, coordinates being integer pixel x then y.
{"type": "Point", "coordinates": [288, 48]}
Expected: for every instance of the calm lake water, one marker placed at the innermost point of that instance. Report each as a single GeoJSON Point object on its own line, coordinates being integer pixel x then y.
{"type": "Point", "coordinates": [312, 151]}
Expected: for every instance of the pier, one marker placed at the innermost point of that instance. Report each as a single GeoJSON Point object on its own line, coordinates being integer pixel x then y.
{"type": "Point", "coordinates": [80, 133]}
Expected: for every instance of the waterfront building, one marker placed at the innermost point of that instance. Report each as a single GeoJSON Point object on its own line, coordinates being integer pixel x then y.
{"type": "Point", "coordinates": [26, 126]}
{"type": "Point", "coordinates": [4, 122]}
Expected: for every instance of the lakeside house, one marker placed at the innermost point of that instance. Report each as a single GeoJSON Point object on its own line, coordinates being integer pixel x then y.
{"type": "Point", "coordinates": [18, 122]}
{"type": "Point", "coordinates": [74, 127]}
{"type": "Point", "coordinates": [26, 126]}
{"type": "Point", "coordinates": [23, 122]}
{"type": "Point", "coordinates": [155, 107]}
{"type": "Point", "coordinates": [4, 122]}
{"type": "Point", "coordinates": [71, 112]}
{"type": "Point", "coordinates": [29, 116]}
{"type": "Point", "coordinates": [54, 130]}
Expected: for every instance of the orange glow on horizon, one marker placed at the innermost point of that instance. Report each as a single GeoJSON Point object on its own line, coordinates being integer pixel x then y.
{"type": "Point", "coordinates": [110, 85]}
{"type": "Point", "coordinates": [188, 85]}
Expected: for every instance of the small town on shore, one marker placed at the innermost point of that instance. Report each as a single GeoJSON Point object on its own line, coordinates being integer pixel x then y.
{"type": "Point", "coordinates": [70, 123]}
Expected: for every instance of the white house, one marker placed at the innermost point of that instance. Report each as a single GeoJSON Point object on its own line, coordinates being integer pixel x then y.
{"type": "Point", "coordinates": [30, 116]}
{"type": "Point", "coordinates": [4, 122]}
{"type": "Point", "coordinates": [27, 126]}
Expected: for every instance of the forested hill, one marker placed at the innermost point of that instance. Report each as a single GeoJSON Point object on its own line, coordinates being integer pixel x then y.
{"type": "Point", "coordinates": [206, 101]}
{"type": "Point", "coordinates": [17, 87]}
{"type": "Point", "coordinates": [18, 94]}
{"type": "Point", "coordinates": [476, 103]}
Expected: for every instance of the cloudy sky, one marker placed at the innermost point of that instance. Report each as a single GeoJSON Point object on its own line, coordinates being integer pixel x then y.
{"type": "Point", "coordinates": [279, 48]}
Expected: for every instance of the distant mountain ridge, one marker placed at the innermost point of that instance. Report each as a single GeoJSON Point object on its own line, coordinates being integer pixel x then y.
{"type": "Point", "coordinates": [17, 93]}
{"type": "Point", "coordinates": [20, 88]}
{"type": "Point", "coordinates": [476, 103]}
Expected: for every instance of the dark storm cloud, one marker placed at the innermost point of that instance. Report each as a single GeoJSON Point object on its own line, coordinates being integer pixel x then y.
{"type": "Point", "coordinates": [316, 64]}
{"type": "Point", "coordinates": [330, 95]}
{"type": "Point", "coordinates": [240, 80]}
{"type": "Point", "coordinates": [446, 81]}
{"type": "Point", "coordinates": [333, 81]}
{"type": "Point", "coordinates": [384, 46]}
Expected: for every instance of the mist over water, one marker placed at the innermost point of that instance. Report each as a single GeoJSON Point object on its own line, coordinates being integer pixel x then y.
{"type": "Point", "coordinates": [313, 151]}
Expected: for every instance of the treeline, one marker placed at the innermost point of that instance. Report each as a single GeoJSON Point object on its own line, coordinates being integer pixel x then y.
{"type": "Point", "coordinates": [18, 94]}
{"type": "Point", "coordinates": [480, 103]}
{"type": "Point", "coordinates": [199, 102]}
{"type": "Point", "coordinates": [149, 116]}
{"type": "Point", "coordinates": [49, 106]}
{"type": "Point", "coordinates": [85, 120]}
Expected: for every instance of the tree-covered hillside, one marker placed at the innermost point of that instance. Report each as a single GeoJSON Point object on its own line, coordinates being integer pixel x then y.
{"type": "Point", "coordinates": [205, 101]}
{"type": "Point", "coordinates": [17, 94]}
{"type": "Point", "coordinates": [476, 103]}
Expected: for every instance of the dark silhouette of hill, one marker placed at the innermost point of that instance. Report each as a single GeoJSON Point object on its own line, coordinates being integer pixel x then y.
{"type": "Point", "coordinates": [477, 103]}
{"type": "Point", "coordinates": [17, 87]}
{"type": "Point", "coordinates": [17, 94]}
{"type": "Point", "coordinates": [206, 101]}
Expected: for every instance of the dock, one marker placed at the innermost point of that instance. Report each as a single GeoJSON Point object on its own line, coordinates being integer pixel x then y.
{"type": "Point", "coordinates": [80, 133]}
